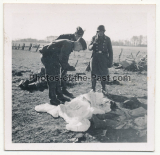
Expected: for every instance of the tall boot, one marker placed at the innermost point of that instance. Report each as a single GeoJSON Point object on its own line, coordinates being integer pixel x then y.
{"type": "Point", "coordinates": [64, 86]}
{"type": "Point", "coordinates": [94, 84]}
{"type": "Point", "coordinates": [65, 92]}
{"type": "Point", "coordinates": [60, 94]}
{"type": "Point", "coordinates": [103, 83]}
{"type": "Point", "coordinates": [52, 93]}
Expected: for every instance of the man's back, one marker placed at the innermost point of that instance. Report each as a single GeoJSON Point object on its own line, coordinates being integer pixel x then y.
{"type": "Point", "coordinates": [67, 36]}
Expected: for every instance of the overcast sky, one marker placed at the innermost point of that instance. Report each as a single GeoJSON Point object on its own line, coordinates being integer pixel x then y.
{"type": "Point", "coordinates": [42, 20]}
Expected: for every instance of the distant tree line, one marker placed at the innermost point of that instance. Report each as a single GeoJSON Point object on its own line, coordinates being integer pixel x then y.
{"type": "Point", "coordinates": [134, 41]}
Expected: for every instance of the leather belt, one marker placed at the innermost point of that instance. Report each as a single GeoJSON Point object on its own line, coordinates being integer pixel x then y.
{"type": "Point", "coordinates": [99, 52]}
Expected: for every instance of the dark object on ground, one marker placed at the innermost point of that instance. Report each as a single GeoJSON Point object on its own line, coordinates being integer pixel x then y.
{"type": "Point", "coordinates": [132, 67]}
{"type": "Point", "coordinates": [34, 83]}
{"type": "Point", "coordinates": [119, 67]}
{"type": "Point", "coordinates": [113, 105]}
{"type": "Point", "coordinates": [19, 73]}
{"type": "Point", "coordinates": [80, 73]}
{"type": "Point", "coordinates": [113, 82]}
{"type": "Point", "coordinates": [115, 64]}
{"type": "Point", "coordinates": [131, 64]}
{"type": "Point", "coordinates": [23, 84]}
{"type": "Point", "coordinates": [132, 103]}
{"type": "Point", "coordinates": [16, 73]}
{"type": "Point", "coordinates": [26, 85]}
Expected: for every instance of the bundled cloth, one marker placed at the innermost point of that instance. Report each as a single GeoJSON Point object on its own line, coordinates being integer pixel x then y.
{"type": "Point", "coordinates": [79, 111]}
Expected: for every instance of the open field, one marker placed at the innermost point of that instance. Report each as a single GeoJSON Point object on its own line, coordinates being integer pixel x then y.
{"type": "Point", "coordinates": [28, 126]}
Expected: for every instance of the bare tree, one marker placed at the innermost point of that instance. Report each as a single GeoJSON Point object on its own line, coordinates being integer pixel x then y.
{"type": "Point", "coordinates": [140, 38]}
{"type": "Point", "coordinates": [134, 40]}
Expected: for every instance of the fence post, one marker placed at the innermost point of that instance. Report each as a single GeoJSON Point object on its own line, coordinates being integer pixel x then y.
{"type": "Point", "coordinates": [18, 46]}
{"type": "Point", "coordinates": [37, 47]}
{"type": "Point", "coordinates": [23, 46]}
{"type": "Point", "coordinates": [30, 47]}
{"type": "Point", "coordinates": [15, 46]}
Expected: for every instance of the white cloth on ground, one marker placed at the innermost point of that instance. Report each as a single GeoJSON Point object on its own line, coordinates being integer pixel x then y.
{"type": "Point", "coordinates": [78, 111]}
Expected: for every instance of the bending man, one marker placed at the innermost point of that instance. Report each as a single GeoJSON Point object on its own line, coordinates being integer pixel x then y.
{"type": "Point", "coordinates": [54, 56]}
{"type": "Point", "coordinates": [73, 37]}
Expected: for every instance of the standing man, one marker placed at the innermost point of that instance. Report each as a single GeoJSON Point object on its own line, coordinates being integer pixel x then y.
{"type": "Point", "coordinates": [73, 37]}
{"type": "Point", "coordinates": [54, 56]}
{"type": "Point", "coordinates": [102, 57]}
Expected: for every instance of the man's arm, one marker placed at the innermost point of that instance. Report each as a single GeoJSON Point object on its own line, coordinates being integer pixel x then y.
{"type": "Point", "coordinates": [90, 47]}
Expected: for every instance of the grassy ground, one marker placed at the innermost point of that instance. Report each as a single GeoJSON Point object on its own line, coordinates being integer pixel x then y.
{"type": "Point", "coordinates": [28, 126]}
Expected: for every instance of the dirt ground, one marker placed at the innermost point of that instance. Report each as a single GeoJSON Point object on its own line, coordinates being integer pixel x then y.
{"type": "Point", "coordinates": [28, 126]}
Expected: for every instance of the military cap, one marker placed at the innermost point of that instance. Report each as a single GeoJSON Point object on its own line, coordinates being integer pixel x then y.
{"type": "Point", "coordinates": [83, 43]}
{"type": "Point", "coordinates": [79, 30]}
{"type": "Point", "coordinates": [101, 28]}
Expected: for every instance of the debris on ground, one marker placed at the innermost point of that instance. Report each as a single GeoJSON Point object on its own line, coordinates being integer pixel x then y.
{"type": "Point", "coordinates": [34, 83]}
{"type": "Point", "coordinates": [19, 73]}
{"type": "Point", "coordinates": [132, 64]}
{"type": "Point", "coordinates": [88, 110]}
{"type": "Point", "coordinates": [114, 82]}
{"type": "Point", "coordinates": [132, 103]}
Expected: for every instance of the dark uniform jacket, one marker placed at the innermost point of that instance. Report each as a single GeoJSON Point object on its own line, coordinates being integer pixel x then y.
{"type": "Point", "coordinates": [67, 36]}
{"type": "Point", "coordinates": [104, 45]}
{"type": "Point", "coordinates": [102, 55]}
{"type": "Point", "coordinates": [59, 51]}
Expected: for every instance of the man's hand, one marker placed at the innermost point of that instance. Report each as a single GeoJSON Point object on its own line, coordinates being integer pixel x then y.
{"type": "Point", "coordinates": [71, 68]}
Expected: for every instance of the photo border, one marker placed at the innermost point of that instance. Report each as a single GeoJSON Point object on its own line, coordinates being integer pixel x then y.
{"type": "Point", "coordinates": [149, 146]}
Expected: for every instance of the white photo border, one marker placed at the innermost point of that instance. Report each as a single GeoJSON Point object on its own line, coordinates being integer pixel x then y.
{"type": "Point", "coordinates": [149, 146]}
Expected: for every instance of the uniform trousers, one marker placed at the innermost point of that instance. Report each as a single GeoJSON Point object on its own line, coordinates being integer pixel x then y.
{"type": "Point", "coordinates": [52, 70]}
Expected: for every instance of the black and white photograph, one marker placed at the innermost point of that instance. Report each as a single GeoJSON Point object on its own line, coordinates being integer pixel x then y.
{"type": "Point", "coordinates": [79, 76]}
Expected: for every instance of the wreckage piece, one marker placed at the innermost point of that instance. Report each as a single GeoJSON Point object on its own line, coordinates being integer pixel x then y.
{"type": "Point", "coordinates": [131, 64]}
{"type": "Point", "coordinates": [16, 73]}
{"type": "Point", "coordinates": [114, 82]}
{"type": "Point", "coordinates": [123, 119]}
{"type": "Point", "coordinates": [34, 86]}
{"type": "Point", "coordinates": [116, 64]}
{"type": "Point", "coordinates": [132, 103]}
{"type": "Point", "coordinates": [34, 83]}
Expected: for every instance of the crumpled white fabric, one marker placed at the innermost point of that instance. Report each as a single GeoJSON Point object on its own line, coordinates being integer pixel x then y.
{"type": "Point", "coordinates": [78, 111]}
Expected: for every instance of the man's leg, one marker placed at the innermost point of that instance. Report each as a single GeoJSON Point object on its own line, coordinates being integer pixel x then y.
{"type": "Point", "coordinates": [60, 94]}
{"type": "Point", "coordinates": [103, 83]}
{"type": "Point", "coordinates": [94, 80]}
{"type": "Point", "coordinates": [51, 70]}
{"type": "Point", "coordinates": [64, 86]}
{"type": "Point", "coordinates": [52, 93]}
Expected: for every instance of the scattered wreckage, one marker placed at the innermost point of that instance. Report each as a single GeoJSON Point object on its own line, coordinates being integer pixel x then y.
{"type": "Point", "coordinates": [132, 63]}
